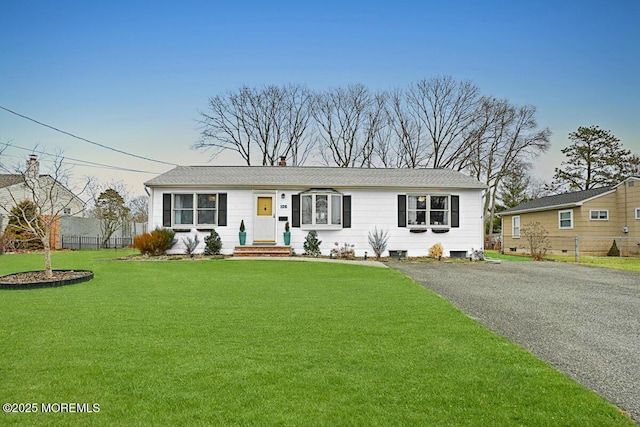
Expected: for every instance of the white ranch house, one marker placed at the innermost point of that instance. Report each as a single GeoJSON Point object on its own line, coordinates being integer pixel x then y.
{"type": "Point", "coordinates": [418, 207]}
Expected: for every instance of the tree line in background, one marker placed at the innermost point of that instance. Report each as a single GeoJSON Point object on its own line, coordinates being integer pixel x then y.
{"type": "Point", "coordinates": [438, 122]}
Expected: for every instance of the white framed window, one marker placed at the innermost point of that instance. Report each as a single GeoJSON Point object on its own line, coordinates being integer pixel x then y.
{"type": "Point", "coordinates": [515, 227]}
{"type": "Point", "coordinates": [433, 210]}
{"type": "Point", "coordinates": [194, 209]}
{"type": "Point", "coordinates": [321, 208]}
{"type": "Point", "coordinates": [637, 213]}
{"type": "Point", "coordinates": [599, 215]}
{"type": "Point", "coordinates": [565, 219]}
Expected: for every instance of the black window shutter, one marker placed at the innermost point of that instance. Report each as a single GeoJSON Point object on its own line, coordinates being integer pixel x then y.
{"type": "Point", "coordinates": [166, 210]}
{"type": "Point", "coordinates": [222, 209]}
{"type": "Point", "coordinates": [455, 211]}
{"type": "Point", "coordinates": [402, 210]}
{"type": "Point", "coordinates": [295, 210]}
{"type": "Point", "coordinates": [346, 211]}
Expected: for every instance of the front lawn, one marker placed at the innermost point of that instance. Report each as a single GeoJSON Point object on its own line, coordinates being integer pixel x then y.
{"type": "Point", "coordinates": [266, 343]}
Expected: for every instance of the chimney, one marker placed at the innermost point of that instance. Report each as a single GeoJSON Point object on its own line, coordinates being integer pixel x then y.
{"type": "Point", "coordinates": [283, 161]}
{"type": "Point", "coordinates": [33, 167]}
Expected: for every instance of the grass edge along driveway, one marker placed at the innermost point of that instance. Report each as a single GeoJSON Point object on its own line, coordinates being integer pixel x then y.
{"type": "Point", "coordinates": [263, 343]}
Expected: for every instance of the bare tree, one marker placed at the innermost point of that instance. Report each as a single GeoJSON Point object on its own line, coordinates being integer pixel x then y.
{"type": "Point", "coordinates": [50, 198]}
{"type": "Point", "coordinates": [406, 145]}
{"type": "Point", "coordinates": [536, 238]}
{"type": "Point", "coordinates": [504, 138]}
{"type": "Point", "coordinates": [226, 125]}
{"type": "Point", "coordinates": [139, 207]}
{"type": "Point", "coordinates": [273, 120]}
{"type": "Point", "coordinates": [445, 109]}
{"type": "Point", "coordinates": [348, 120]}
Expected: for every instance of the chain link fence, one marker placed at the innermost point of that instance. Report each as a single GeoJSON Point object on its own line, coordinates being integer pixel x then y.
{"type": "Point", "coordinates": [601, 245]}
{"type": "Point", "coordinates": [578, 246]}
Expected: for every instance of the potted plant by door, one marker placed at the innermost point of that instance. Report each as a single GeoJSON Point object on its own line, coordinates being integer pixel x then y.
{"type": "Point", "coordinates": [242, 235]}
{"type": "Point", "coordinates": [287, 234]}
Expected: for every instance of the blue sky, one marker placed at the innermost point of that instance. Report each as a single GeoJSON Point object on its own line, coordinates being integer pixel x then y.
{"type": "Point", "coordinates": [133, 75]}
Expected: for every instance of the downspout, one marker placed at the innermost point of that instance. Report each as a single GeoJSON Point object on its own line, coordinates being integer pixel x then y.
{"type": "Point", "coordinates": [149, 209]}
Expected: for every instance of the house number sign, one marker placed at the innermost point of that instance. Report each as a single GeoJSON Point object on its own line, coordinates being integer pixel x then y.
{"type": "Point", "coordinates": [283, 206]}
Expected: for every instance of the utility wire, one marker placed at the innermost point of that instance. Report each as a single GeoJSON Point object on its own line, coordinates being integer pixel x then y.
{"type": "Point", "coordinates": [87, 162]}
{"type": "Point", "coordinates": [86, 140]}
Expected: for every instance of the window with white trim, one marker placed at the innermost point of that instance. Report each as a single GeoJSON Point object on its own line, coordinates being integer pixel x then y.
{"type": "Point", "coordinates": [424, 209]}
{"type": "Point", "coordinates": [599, 215]}
{"type": "Point", "coordinates": [565, 219]}
{"type": "Point", "coordinates": [194, 209]}
{"type": "Point", "coordinates": [323, 208]}
{"type": "Point", "coordinates": [515, 227]}
{"type": "Point", "coordinates": [637, 213]}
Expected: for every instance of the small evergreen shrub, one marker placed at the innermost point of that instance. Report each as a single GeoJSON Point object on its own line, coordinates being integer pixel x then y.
{"type": "Point", "coordinates": [613, 250]}
{"type": "Point", "coordinates": [158, 242]}
{"type": "Point", "coordinates": [312, 244]}
{"type": "Point", "coordinates": [18, 232]}
{"type": "Point", "coordinates": [212, 243]}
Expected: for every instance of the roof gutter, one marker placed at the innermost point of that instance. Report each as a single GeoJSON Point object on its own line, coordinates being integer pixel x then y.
{"type": "Point", "coordinates": [543, 209]}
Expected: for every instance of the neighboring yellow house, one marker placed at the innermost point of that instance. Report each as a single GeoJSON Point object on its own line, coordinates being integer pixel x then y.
{"type": "Point", "coordinates": [593, 218]}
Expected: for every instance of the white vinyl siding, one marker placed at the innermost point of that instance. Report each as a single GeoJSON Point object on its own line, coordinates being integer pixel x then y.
{"type": "Point", "coordinates": [369, 209]}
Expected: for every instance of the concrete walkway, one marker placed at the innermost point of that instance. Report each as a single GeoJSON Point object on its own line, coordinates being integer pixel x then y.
{"type": "Point", "coordinates": [368, 263]}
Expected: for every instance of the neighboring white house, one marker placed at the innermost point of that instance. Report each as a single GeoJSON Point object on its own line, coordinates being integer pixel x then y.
{"type": "Point", "coordinates": [14, 190]}
{"type": "Point", "coordinates": [418, 207]}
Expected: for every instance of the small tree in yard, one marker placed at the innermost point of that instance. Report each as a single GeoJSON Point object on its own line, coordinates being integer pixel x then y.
{"type": "Point", "coordinates": [613, 250]}
{"type": "Point", "coordinates": [112, 212]}
{"type": "Point", "coordinates": [50, 199]}
{"type": "Point", "coordinates": [537, 240]}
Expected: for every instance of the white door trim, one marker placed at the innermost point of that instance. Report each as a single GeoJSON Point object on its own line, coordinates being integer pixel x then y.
{"type": "Point", "coordinates": [264, 227]}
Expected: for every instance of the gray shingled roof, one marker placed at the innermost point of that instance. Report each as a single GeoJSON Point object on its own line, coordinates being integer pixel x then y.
{"type": "Point", "coordinates": [9, 180]}
{"type": "Point", "coordinates": [312, 177]}
{"type": "Point", "coordinates": [557, 201]}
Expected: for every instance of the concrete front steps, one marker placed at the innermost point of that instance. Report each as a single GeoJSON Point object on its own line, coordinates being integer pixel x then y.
{"type": "Point", "coordinates": [262, 250]}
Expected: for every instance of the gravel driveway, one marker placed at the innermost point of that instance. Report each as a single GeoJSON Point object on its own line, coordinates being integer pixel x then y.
{"type": "Point", "coordinates": [584, 321]}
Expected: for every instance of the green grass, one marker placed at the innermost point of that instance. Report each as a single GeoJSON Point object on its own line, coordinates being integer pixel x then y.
{"type": "Point", "coordinates": [505, 257]}
{"type": "Point", "coordinates": [617, 263]}
{"type": "Point", "coordinates": [267, 343]}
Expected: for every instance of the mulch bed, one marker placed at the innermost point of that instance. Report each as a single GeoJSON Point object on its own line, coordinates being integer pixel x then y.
{"type": "Point", "coordinates": [39, 279]}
